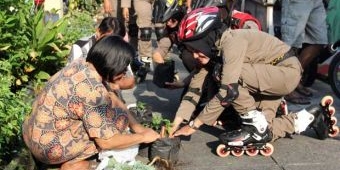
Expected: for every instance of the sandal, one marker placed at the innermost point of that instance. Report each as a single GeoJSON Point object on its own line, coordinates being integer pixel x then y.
{"type": "Point", "coordinates": [297, 99]}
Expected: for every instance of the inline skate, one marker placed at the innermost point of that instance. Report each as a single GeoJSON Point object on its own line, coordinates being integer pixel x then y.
{"type": "Point", "coordinates": [324, 122]}
{"type": "Point", "coordinates": [252, 138]}
{"type": "Point", "coordinates": [140, 69]}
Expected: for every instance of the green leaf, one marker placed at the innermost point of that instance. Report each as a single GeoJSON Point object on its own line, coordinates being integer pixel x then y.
{"type": "Point", "coordinates": [42, 75]}
{"type": "Point", "coordinates": [5, 48]}
{"type": "Point", "coordinates": [46, 38]}
{"type": "Point", "coordinates": [10, 20]}
{"type": "Point", "coordinates": [24, 78]}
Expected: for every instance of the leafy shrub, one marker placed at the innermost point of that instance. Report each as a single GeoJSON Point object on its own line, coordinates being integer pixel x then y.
{"type": "Point", "coordinates": [32, 45]}
{"type": "Point", "coordinates": [80, 24]}
{"type": "Point", "coordinates": [113, 164]}
{"type": "Point", "coordinates": [13, 108]}
{"type": "Point", "coordinates": [31, 49]}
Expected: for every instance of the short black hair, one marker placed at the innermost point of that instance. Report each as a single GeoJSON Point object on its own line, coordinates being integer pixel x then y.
{"type": "Point", "coordinates": [110, 56]}
{"type": "Point", "coordinates": [112, 24]}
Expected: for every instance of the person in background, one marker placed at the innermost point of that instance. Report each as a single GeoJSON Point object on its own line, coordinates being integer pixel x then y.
{"type": "Point", "coordinates": [114, 9]}
{"type": "Point", "coordinates": [149, 17]}
{"type": "Point", "coordinates": [173, 16]}
{"type": "Point", "coordinates": [332, 19]}
{"type": "Point", "coordinates": [122, 11]}
{"type": "Point", "coordinates": [303, 26]}
{"type": "Point", "coordinates": [75, 116]}
{"type": "Point", "coordinates": [108, 26]}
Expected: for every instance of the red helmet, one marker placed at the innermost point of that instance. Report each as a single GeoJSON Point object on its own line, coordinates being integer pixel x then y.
{"type": "Point", "coordinates": [198, 22]}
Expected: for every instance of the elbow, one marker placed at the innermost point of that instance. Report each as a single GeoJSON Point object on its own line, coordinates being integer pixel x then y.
{"type": "Point", "coordinates": [105, 144]}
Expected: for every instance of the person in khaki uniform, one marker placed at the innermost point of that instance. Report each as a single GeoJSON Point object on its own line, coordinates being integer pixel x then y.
{"type": "Point", "coordinates": [257, 71]}
{"type": "Point", "coordinates": [144, 10]}
{"type": "Point", "coordinates": [120, 9]}
{"type": "Point", "coordinates": [172, 17]}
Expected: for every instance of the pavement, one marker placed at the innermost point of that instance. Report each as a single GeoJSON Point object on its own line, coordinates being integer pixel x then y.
{"type": "Point", "coordinates": [301, 152]}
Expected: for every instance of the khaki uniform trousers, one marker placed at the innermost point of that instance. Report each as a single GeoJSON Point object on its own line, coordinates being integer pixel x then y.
{"type": "Point", "coordinates": [116, 12]}
{"type": "Point", "coordinates": [283, 79]}
{"type": "Point", "coordinates": [144, 10]}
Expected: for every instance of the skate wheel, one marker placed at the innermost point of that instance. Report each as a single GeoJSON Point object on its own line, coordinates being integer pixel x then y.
{"type": "Point", "coordinates": [334, 120]}
{"type": "Point", "coordinates": [327, 101]}
{"type": "Point", "coordinates": [334, 132]}
{"type": "Point", "coordinates": [267, 150]}
{"type": "Point", "coordinates": [237, 152]}
{"type": "Point", "coordinates": [252, 151]}
{"type": "Point", "coordinates": [222, 151]}
{"type": "Point", "coordinates": [331, 110]}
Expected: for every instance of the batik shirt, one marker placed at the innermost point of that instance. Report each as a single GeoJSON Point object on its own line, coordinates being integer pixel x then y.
{"type": "Point", "coordinates": [72, 110]}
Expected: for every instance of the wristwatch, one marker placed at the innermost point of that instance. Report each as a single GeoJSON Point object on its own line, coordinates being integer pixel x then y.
{"type": "Point", "coordinates": [192, 125]}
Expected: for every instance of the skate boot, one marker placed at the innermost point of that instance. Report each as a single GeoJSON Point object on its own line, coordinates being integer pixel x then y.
{"type": "Point", "coordinates": [136, 64]}
{"type": "Point", "coordinates": [319, 117]}
{"type": "Point", "coordinates": [141, 74]}
{"type": "Point", "coordinates": [140, 69]}
{"type": "Point", "coordinates": [252, 138]}
{"type": "Point", "coordinates": [147, 62]}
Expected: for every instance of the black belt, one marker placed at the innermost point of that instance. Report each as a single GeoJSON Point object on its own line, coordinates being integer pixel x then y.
{"type": "Point", "coordinates": [289, 53]}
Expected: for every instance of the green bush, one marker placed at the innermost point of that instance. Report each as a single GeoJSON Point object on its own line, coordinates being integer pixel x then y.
{"type": "Point", "coordinates": [31, 49]}
{"type": "Point", "coordinates": [33, 46]}
{"type": "Point", "coordinates": [80, 24]}
{"type": "Point", "coordinates": [13, 108]}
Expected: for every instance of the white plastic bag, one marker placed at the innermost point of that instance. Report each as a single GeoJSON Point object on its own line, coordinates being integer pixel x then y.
{"type": "Point", "coordinates": [127, 155]}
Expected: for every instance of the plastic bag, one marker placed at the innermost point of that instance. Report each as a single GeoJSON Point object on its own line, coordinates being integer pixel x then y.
{"type": "Point", "coordinates": [166, 148]}
{"type": "Point", "coordinates": [126, 155]}
{"type": "Point", "coordinates": [164, 73]}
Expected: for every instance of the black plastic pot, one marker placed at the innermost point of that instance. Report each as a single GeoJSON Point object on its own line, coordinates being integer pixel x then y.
{"type": "Point", "coordinates": [164, 73]}
{"type": "Point", "coordinates": [144, 150]}
{"type": "Point", "coordinates": [166, 148]}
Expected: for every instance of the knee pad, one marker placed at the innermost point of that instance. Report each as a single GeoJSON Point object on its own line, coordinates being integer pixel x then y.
{"type": "Point", "coordinates": [145, 34]}
{"type": "Point", "coordinates": [232, 94]}
{"type": "Point", "coordinates": [159, 32]}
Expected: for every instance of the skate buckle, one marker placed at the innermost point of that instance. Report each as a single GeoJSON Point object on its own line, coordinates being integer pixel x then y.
{"type": "Point", "coordinates": [257, 137]}
{"type": "Point", "coordinates": [235, 143]}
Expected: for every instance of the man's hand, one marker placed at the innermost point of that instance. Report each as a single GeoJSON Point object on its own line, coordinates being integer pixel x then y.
{"type": "Point", "coordinates": [107, 6]}
{"type": "Point", "coordinates": [126, 15]}
{"type": "Point", "coordinates": [157, 58]}
{"type": "Point", "coordinates": [185, 131]}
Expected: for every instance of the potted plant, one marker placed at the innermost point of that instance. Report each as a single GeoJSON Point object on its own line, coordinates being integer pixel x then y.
{"type": "Point", "coordinates": [165, 149]}
{"type": "Point", "coordinates": [143, 114]}
{"type": "Point", "coordinates": [141, 111]}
